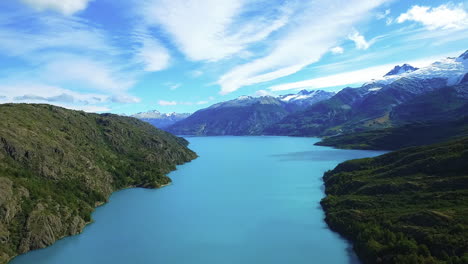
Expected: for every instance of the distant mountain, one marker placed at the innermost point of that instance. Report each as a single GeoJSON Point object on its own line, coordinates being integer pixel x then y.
{"type": "Point", "coordinates": [245, 115]}
{"type": "Point", "coordinates": [160, 120]}
{"type": "Point", "coordinates": [379, 103]}
{"type": "Point", "coordinates": [405, 68]}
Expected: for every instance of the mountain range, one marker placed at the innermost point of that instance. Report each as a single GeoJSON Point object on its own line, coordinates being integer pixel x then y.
{"type": "Point", "coordinates": [160, 120]}
{"type": "Point", "coordinates": [390, 101]}
{"type": "Point", "coordinates": [246, 115]}
{"type": "Point", "coordinates": [405, 94]}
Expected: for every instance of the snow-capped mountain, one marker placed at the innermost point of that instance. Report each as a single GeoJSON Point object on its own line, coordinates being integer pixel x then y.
{"type": "Point", "coordinates": [436, 92]}
{"type": "Point", "coordinates": [451, 70]}
{"type": "Point", "coordinates": [247, 101]}
{"type": "Point", "coordinates": [306, 98]}
{"type": "Point", "coordinates": [302, 99]}
{"type": "Point", "coordinates": [160, 120]}
{"type": "Point", "coordinates": [246, 115]}
{"type": "Point", "coordinates": [405, 68]}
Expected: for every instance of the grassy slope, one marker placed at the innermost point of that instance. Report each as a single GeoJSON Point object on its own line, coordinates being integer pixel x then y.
{"type": "Point", "coordinates": [408, 206]}
{"type": "Point", "coordinates": [416, 134]}
{"type": "Point", "coordinates": [57, 165]}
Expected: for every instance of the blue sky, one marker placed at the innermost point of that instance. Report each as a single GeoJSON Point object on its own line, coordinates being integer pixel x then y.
{"type": "Point", "coordinates": [128, 56]}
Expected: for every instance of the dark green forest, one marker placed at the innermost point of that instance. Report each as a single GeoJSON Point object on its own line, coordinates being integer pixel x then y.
{"type": "Point", "coordinates": [407, 206]}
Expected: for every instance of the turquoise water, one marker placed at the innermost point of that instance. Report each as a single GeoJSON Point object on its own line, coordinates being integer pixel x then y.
{"type": "Point", "coordinates": [244, 200]}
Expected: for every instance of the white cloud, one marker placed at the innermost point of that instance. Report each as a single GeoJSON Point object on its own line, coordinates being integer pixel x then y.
{"type": "Point", "coordinates": [315, 31]}
{"type": "Point", "coordinates": [341, 79]}
{"type": "Point", "coordinates": [51, 32]}
{"type": "Point", "coordinates": [207, 29]}
{"type": "Point", "coordinates": [89, 108]}
{"type": "Point", "coordinates": [441, 17]}
{"type": "Point", "coordinates": [173, 86]}
{"type": "Point", "coordinates": [196, 73]}
{"type": "Point", "coordinates": [337, 50]}
{"type": "Point", "coordinates": [263, 93]}
{"type": "Point", "coordinates": [153, 55]}
{"type": "Point", "coordinates": [68, 69]}
{"type": "Point", "coordinates": [357, 77]}
{"type": "Point", "coordinates": [166, 103]}
{"type": "Point", "coordinates": [66, 7]}
{"type": "Point", "coordinates": [389, 21]}
{"type": "Point", "coordinates": [40, 93]}
{"type": "Point", "coordinates": [382, 15]}
{"type": "Point", "coordinates": [124, 99]}
{"type": "Point", "coordinates": [359, 40]}
{"type": "Point", "coordinates": [172, 103]}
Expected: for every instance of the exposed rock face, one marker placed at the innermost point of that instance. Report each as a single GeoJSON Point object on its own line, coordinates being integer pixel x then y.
{"type": "Point", "coordinates": [57, 165]}
{"type": "Point", "coordinates": [246, 115]}
{"type": "Point", "coordinates": [401, 69]}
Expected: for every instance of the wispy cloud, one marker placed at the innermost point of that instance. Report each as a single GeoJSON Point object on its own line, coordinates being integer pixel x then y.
{"type": "Point", "coordinates": [196, 73]}
{"type": "Point", "coordinates": [320, 27]}
{"type": "Point", "coordinates": [263, 93]}
{"type": "Point", "coordinates": [152, 54]}
{"type": "Point", "coordinates": [359, 40]}
{"type": "Point", "coordinates": [337, 50]}
{"type": "Point", "coordinates": [382, 15]}
{"type": "Point", "coordinates": [66, 7]}
{"type": "Point", "coordinates": [447, 16]}
{"type": "Point", "coordinates": [341, 79]}
{"type": "Point", "coordinates": [172, 86]}
{"type": "Point", "coordinates": [99, 75]}
{"type": "Point", "coordinates": [39, 93]}
{"type": "Point", "coordinates": [174, 103]}
{"type": "Point", "coordinates": [166, 103]}
{"type": "Point", "coordinates": [355, 77]}
{"type": "Point", "coordinates": [207, 29]}
{"type": "Point", "coordinates": [59, 51]}
{"type": "Point", "coordinates": [49, 32]}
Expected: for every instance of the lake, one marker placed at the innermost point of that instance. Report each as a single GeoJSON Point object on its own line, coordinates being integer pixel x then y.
{"type": "Point", "coordinates": [244, 200]}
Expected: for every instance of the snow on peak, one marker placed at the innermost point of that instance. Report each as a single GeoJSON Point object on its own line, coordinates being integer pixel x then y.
{"type": "Point", "coordinates": [450, 69]}
{"type": "Point", "coordinates": [244, 97]}
{"type": "Point", "coordinates": [401, 69]}
{"type": "Point", "coordinates": [463, 57]}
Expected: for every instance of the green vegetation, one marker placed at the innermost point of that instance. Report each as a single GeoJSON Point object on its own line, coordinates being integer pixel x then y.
{"type": "Point", "coordinates": [408, 206]}
{"type": "Point", "coordinates": [57, 165]}
{"type": "Point", "coordinates": [410, 135]}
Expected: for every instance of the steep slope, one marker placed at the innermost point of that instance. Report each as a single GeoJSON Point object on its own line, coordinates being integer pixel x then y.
{"type": "Point", "coordinates": [57, 165]}
{"type": "Point", "coordinates": [425, 119]}
{"type": "Point", "coordinates": [398, 70]}
{"type": "Point", "coordinates": [374, 105]}
{"type": "Point", "coordinates": [160, 120]}
{"type": "Point", "coordinates": [243, 116]}
{"type": "Point", "coordinates": [246, 115]}
{"type": "Point", "coordinates": [408, 206]}
{"type": "Point", "coordinates": [304, 99]}
{"type": "Point", "coordinates": [415, 134]}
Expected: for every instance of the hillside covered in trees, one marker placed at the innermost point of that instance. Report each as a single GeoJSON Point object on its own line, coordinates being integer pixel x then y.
{"type": "Point", "coordinates": [408, 206]}
{"type": "Point", "coordinates": [57, 165]}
